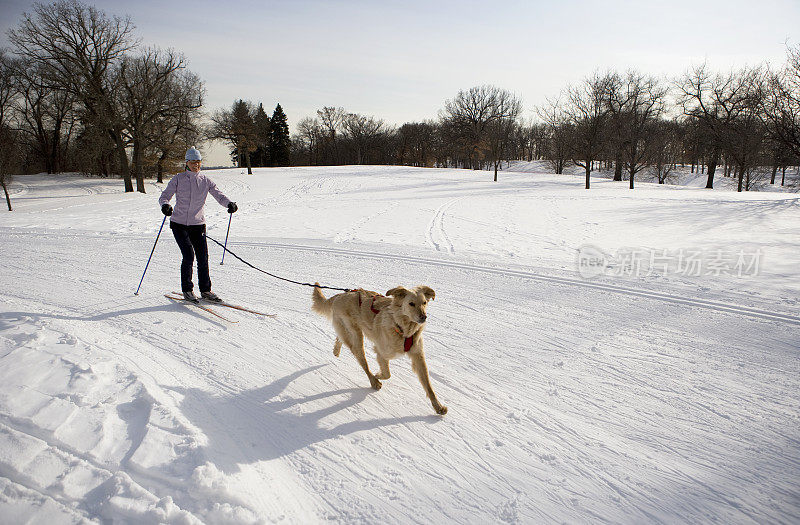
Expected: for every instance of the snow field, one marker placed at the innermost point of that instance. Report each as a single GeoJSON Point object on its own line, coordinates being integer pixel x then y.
{"type": "Point", "coordinates": [651, 399]}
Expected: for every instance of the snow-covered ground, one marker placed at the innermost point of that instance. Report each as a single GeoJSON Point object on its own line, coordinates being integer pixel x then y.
{"type": "Point", "coordinates": [680, 175]}
{"type": "Point", "coordinates": [606, 355]}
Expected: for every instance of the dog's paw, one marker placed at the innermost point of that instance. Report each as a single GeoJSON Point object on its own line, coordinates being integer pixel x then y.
{"type": "Point", "coordinates": [442, 410]}
{"type": "Point", "coordinates": [375, 383]}
{"type": "Point", "coordinates": [380, 375]}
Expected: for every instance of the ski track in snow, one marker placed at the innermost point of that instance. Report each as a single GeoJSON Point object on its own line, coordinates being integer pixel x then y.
{"type": "Point", "coordinates": [570, 400]}
{"type": "Point", "coordinates": [712, 305]}
{"type": "Point", "coordinates": [436, 229]}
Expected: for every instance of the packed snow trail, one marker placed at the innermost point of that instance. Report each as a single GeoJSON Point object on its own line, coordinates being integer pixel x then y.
{"type": "Point", "coordinates": [569, 400]}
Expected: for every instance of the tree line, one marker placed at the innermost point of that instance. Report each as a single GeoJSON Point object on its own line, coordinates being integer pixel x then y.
{"type": "Point", "coordinates": [745, 121]}
{"type": "Point", "coordinates": [475, 130]}
{"type": "Point", "coordinates": [79, 93]}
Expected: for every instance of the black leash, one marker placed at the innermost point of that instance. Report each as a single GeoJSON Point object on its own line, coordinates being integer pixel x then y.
{"type": "Point", "coordinates": [273, 275]}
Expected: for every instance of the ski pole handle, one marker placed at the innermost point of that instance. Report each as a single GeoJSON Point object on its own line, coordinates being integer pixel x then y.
{"type": "Point", "coordinates": [225, 248]}
{"type": "Point", "coordinates": [151, 255]}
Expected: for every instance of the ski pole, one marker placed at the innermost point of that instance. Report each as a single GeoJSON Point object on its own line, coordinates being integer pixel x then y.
{"type": "Point", "coordinates": [225, 248]}
{"type": "Point", "coordinates": [151, 254]}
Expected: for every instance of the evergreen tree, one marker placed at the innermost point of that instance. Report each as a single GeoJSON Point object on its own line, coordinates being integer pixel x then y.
{"type": "Point", "coordinates": [262, 124]}
{"type": "Point", "coordinates": [279, 138]}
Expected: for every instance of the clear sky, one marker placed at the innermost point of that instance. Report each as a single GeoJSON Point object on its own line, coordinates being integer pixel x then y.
{"type": "Point", "coordinates": [400, 61]}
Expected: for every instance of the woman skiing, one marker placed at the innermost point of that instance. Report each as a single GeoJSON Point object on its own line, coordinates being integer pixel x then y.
{"type": "Point", "coordinates": [188, 223]}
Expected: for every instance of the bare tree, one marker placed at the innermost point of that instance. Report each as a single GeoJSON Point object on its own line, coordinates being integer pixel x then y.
{"type": "Point", "coordinates": [470, 114]}
{"type": "Point", "coordinates": [617, 100]}
{"type": "Point", "coordinates": [743, 134]}
{"type": "Point", "coordinates": [363, 132]}
{"type": "Point", "coordinates": [77, 47]}
{"type": "Point", "coordinates": [638, 102]}
{"type": "Point", "coordinates": [500, 128]}
{"type": "Point", "coordinates": [176, 130]}
{"type": "Point", "coordinates": [559, 134]}
{"type": "Point", "coordinates": [586, 111]}
{"type": "Point", "coordinates": [665, 146]}
{"type": "Point", "coordinates": [310, 132]}
{"type": "Point", "coordinates": [416, 143]}
{"type": "Point", "coordinates": [694, 148]}
{"type": "Point", "coordinates": [728, 109]}
{"type": "Point", "coordinates": [151, 94]}
{"type": "Point", "coordinates": [696, 90]}
{"type": "Point", "coordinates": [47, 115]}
{"type": "Point", "coordinates": [782, 102]}
{"type": "Point", "coordinates": [8, 143]}
{"type": "Point", "coordinates": [8, 85]}
{"type": "Point", "coordinates": [538, 136]}
{"type": "Point", "coordinates": [11, 158]}
{"type": "Point", "coordinates": [237, 128]}
{"type": "Point", "coordinates": [466, 118]}
{"type": "Point", "coordinates": [95, 153]}
{"type": "Point", "coordinates": [331, 120]}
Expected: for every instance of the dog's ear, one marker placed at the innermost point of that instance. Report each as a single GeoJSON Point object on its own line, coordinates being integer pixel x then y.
{"type": "Point", "coordinates": [398, 292]}
{"type": "Point", "coordinates": [427, 291]}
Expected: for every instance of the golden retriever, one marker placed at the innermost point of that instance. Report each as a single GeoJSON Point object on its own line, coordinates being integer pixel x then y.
{"type": "Point", "coordinates": [393, 323]}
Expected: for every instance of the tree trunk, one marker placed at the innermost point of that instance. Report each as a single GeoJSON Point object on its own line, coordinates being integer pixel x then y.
{"type": "Point", "coordinates": [712, 168]}
{"type": "Point", "coordinates": [783, 175]}
{"type": "Point", "coordinates": [137, 166]}
{"type": "Point", "coordinates": [618, 167]}
{"type": "Point", "coordinates": [588, 170]}
{"type": "Point", "coordinates": [774, 173]}
{"type": "Point", "coordinates": [632, 169]}
{"type": "Point", "coordinates": [160, 167]}
{"type": "Point", "coordinates": [249, 167]}
{"type": "Point", "coordinates": [740, 169]}
{"type": "Point", "coordinates": [8, 197]}
{"type": "Point", "coordinates": [495, 171]}
{"type": "Point", "coordinates": [122, 157]}
{"type": "Point", "coordinates": [55, 147]}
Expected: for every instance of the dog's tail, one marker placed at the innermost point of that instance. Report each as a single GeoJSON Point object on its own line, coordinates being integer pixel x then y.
{"type": "Point", "coordinates": [320, 304]}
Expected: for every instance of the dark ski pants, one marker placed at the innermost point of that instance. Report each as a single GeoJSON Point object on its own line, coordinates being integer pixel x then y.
{"type": "Point", "coordinates": [192, 242]}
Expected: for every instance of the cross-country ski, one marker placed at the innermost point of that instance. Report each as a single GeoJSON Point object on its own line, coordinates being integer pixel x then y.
{"type": "Point", "coordinates": [200, 306]}
{"type": "Point", "coordinates": [177, 295]}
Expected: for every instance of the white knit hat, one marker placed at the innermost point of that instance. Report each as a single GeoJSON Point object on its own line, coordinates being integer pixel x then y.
{"type": "Point", "coordinates": [193, 154]}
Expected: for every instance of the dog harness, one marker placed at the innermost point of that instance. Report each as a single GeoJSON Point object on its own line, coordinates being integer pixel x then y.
{"type": "Point", "coordinates": [371, 305]}
{"type": "Point", "coordinates": [408, 342]}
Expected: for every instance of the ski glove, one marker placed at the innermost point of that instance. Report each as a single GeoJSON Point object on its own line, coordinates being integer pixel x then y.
{"type": "Point", "coordinates": [166, 209]}
{"type": "Point", "coordinates": [232, 207]}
